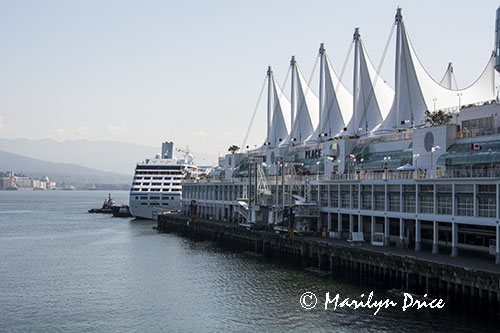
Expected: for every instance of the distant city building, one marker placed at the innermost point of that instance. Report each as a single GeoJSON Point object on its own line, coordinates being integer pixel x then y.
{"type": "Point", "coordinates": [22, 181]}
{"type": "Point", "coordinates": [5, 182]}
{"type": "Point", "coordinates": [9, 180]}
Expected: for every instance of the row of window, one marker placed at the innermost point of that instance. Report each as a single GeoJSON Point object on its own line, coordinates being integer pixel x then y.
{"type": "Point", "coordinates": [154, 198]}
{"type": "Point", "coordinates": [157, 178]}
{"type": "Point", "coordinates": [156, 184]}
{"type": "Point", "coordinates": [464, 202]}
{"type": "Point", "coordinates": [154, 204]}
{"type": "Point", "coordinates": [136, 189]}
{"type": "Point", "coordinates": [173, 172]}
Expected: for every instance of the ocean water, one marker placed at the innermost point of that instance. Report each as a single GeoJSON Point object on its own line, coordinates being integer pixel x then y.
{"type": "Point", "coordinates": [65, 270]}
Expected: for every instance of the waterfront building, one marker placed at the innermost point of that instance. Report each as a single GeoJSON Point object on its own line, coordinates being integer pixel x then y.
{"type": "Point", "coordinates": [22, 182]}
{"type": "Point", "coordinates": [5, 182]}
{"type": "Point", "coordinates": [377, 162]}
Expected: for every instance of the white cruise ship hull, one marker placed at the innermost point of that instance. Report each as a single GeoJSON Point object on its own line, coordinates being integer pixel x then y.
{"type": "Point", "coordinates": [144, 208]}
{"type": "Point", "coordinates": [156, 186]}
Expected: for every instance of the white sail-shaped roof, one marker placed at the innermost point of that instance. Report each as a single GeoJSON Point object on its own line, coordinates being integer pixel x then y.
{"type": "Point", "coordinates": [307, 104]}
{"type": "Point", "coordinates": [337, 108]}
{"type": "Point", "coordinates": [447, 77]}
{"type": "Point", "coordinates": [280, 124]}
{"type": "Point", "coordinates": [418, 91]}
{"type": "Point", "coordinates": [374, 97]}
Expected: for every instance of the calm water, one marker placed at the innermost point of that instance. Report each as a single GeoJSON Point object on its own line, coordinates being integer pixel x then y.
{"type": "Point", "coordinates": [64, 270]}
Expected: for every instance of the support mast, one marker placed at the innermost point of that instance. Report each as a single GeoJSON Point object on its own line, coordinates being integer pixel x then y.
{"type": "Point", "coordinates": [321, 88]}
{"type": "Point", "coordinates": [398, 23]}
{"type": "Point", "coordinates": [355, 89]}
{"type": "Point", "coordinates": [292, 95]}
{"type": "Point", "coordinates": [269, 100]}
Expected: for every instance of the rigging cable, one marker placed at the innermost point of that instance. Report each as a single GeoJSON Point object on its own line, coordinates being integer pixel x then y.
{"type": "Point", "coordinates": [454, 80]}
{"type": "Point", "coordinates": [372, 90]}
{"type": "Point", "coordinates": [285, 81]}
{"type": "Point", "coordinates": [344, 66]}
{"type": "Point", "coordinates": [299, 107]}
{"type": "Point", "coordinates": [328, 111]}
{"type": "Point", "coordinates": [254, 112]}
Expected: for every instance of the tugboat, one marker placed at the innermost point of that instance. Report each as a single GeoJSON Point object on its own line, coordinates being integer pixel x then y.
{"type": "Point", "coordinates": [107, 206]}
{"type": "Point", "coordinates": [121, 211]}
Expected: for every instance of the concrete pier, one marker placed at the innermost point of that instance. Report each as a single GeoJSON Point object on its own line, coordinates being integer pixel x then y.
{"type": "Point", "coordinates": [453, 279]}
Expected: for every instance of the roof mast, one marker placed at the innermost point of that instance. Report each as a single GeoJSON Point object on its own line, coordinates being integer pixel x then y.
{"type": "Point", "coordinates": [355, 89]}
{"type": "Point", "coordinates": [321, 87]}
{"type": "Point", "coordinates": [269, 100]}
{"type": "Point", "coordinates": [398, 23]}
{"type": "Point", "coordinates": [293, 103]}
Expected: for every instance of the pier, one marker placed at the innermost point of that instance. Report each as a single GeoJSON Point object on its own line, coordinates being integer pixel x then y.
{"type": "Point", "coordinates": [468, 284]}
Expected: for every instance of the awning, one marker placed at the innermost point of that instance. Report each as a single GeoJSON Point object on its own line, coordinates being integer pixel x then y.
{"type": "Point", "coordinates": [406, 167]}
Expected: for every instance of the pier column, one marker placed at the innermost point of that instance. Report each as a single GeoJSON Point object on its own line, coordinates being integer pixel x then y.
{"type": "Point", "coordinates": [435, 237]}
{"type": "Point", "coordinates": [339, 226]}
{"type": "Point", "coordinates": [401, 230]}
{"type": "Point", "coordinates": [454, 239]}
{"type": "Point", "coordinates": [474, 198]}
{"type": "Point", "coordinates": [386, 231]}
{"type": "Point", "coordinates": [360, 223]}
{"type": "Point", "coordinates": [372, 231]}
{"type": "Point", "coordinates": [351, 225]}
{"type": "Point", "coordinates": [417, 235]}
{"type": "Point", "coordinates": [497, 249]}
{"type": "Point", "coordinates": [498, 201]}
{"type": "Point", "coordinates": [329, 224]}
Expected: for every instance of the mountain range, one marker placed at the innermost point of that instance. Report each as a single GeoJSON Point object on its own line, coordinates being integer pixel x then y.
{"type": "Point", "coordinates": [109, 156]}
{"type": "Point", "coordinates": [74, 174]}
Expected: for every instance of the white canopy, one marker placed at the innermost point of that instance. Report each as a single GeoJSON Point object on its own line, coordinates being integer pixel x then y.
{"type": "Point", "coordinates": [306, 119]}
{"type": "Point", "coordinates": [372, 97]}
{"type": "Point", "coordinates": [418, 91]}
{"type": "Point", "coordinates": [447, 78]}
{"type": "Point", "coordinates": [337, 108]}
{"type": "Point", "coordinates": [280, 124]}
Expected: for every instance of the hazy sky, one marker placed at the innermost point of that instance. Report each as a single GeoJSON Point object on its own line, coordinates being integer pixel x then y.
{"type": "Point", "coordinates": [190, 71]}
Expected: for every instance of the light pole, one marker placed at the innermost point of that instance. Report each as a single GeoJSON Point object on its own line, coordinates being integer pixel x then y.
{"type": "Point", "coordinates": [459, 105]}
{"type": "Point", "coordinates": [434, 100]}
{"type": "Point", "coordinates": [459, 100]}
{"type": "Point", "coordinates": [386, 165]}
{"type": "Point", "coordinates": [352, 168]}
{"type": "Point", "coordinates": [329, 158]}
{"type": "Point", "coordinates": [433, 149]}
{"type": "Point", "coordinates": [415, 157]}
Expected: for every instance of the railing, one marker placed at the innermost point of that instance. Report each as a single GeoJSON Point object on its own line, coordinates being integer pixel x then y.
{"type": "Point", "coordinates": [387, 175]}
{"type": "Point", "coordinates": [403, 135]}
{"type": "Point", "coordinates": [469, 133]}
{"type": "Point", "coordinates": [368, 175]}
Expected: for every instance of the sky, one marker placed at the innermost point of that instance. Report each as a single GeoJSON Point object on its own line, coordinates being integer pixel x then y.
{"type": "Point", "coordinates": [191, 71]}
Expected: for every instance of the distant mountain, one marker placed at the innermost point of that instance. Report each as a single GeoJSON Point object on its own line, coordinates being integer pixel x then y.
{"type": "Point", "coordinates": [75, 174]}
{"type": "Point", "coordinates": [110, 156]}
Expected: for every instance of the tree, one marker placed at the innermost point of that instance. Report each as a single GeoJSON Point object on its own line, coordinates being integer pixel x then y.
{"type": "Point", "coordinates": [233, 149]}
{"type": "Point", "coordinates": [437, 118]}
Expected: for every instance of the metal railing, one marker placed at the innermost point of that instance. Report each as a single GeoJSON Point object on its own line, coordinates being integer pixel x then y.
{"type": "Point", "coordinates": [469, 133]}
{"type": "Point", "coordinates": [368, 175]}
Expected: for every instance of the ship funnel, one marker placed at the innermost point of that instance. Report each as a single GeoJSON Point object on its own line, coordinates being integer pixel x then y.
{"type": "Point", "coordinates": [167, 150]}
{"type": "Point", "coordinates": [497, 40]}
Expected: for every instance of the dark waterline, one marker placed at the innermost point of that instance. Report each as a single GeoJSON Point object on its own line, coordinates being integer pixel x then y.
{"type": "Point", "coordinates": [64, 270]}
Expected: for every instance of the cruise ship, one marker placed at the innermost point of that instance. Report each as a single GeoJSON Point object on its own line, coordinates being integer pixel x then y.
{"type": "Point", "coordinates": [416, 165]}
{"type": "Point", "coordinates": [156, 186]}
